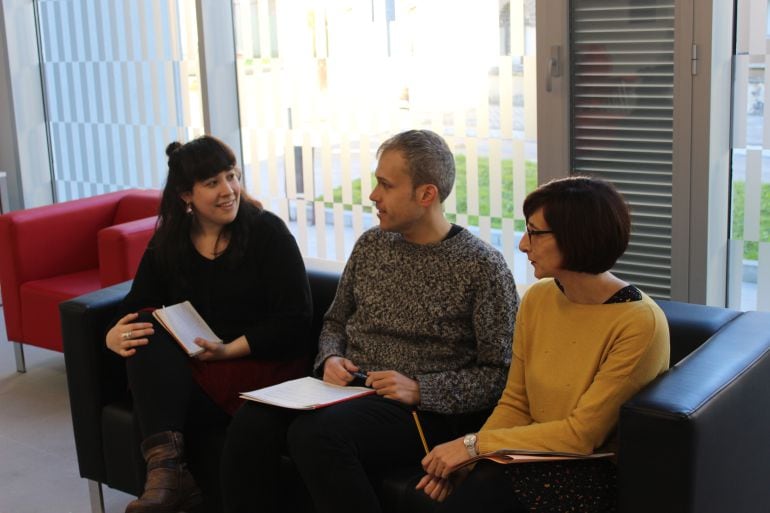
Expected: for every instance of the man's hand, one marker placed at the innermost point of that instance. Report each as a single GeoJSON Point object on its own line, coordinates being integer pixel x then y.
{"type": "Point", "coordinates": [337, 370]}
{"type": "Point", "coordinates": [393, 385]}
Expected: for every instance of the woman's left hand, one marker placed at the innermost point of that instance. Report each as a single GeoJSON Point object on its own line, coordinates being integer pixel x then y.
{"type": "Point", "coordinates": [444, 457]}
{"type": "Point", "coordinates": [211, 350]}
{"type": "Point", "coordinates": [219, 351]}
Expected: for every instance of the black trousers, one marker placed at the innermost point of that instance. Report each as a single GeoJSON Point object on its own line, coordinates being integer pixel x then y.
{"type": "Point", "coordinates": [251, 459]}
{"type": "Point", "coordinates": [334, 450]}
{"type": "Point", "coordinates": [166, 397]}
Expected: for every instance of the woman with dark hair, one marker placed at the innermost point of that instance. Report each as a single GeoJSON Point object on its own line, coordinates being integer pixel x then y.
{"type": "Point", "coordinates": [585, 341]}
{"type": "Point", "coordinates": [242, 270]}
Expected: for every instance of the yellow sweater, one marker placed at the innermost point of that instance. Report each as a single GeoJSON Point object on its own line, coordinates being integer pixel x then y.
{"type": "Point", "coordinates": [573, 367]}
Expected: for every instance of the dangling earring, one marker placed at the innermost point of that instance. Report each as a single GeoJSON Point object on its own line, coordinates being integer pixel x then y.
{"type": "Point", "coordinates": [188, 209]}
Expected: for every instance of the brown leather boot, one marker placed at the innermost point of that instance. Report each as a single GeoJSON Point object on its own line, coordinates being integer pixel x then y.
{"type": "Point", "coordinates": [170, 487]}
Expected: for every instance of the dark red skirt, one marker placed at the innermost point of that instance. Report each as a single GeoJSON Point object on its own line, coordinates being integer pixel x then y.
{"type": "Point", "coordinates": [225, 380]}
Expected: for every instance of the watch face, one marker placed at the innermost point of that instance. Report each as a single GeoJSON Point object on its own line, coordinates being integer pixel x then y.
{"type": "Point", "coordinates": [470, 444]}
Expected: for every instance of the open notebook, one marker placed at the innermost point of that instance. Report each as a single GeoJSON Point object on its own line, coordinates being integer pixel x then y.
{"type": "Point", "coordinates": [305, 394]}
{"type": "Point", "coordinates": [508, 456]}
{"type": "Point", "coordinates": [184, 323]}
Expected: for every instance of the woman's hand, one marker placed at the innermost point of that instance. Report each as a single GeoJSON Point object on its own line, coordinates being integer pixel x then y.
{"type": "Point", "coordinates": [127, 335]}
{"type": "Point", "coordinates": [434, 487]}
{"type": "Point", "coordinates": [444, 457]}
{"type": "Point", "coordinates": [439, 489]}
{"type": "Point", "coordinates": [219, 351]}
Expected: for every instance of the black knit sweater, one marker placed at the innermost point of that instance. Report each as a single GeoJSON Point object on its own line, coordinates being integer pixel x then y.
{"type": "Point", "coordinates": [263, 294]}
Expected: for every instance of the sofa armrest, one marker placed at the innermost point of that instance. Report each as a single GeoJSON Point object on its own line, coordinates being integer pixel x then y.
{"type": "Point", "coordinates": [121, 247]}
{"type": "Point", "coordinates": [95, 375]}
{"type": "Point", "coordinates": [696, 438]}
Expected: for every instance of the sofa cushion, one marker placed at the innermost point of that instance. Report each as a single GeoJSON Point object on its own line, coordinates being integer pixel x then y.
{"type": "Point", "coordinates": [40, 305]}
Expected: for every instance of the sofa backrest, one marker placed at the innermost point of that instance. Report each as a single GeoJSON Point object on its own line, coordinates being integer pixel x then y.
{"type": "Point", "coordinates": [323, 287]}
{"type": "Point", "coordinates": [137, 204]}
{"type": "Point", "coordinates": [690, 325]}
{"type": "Point", "coordinates": [69, 229]}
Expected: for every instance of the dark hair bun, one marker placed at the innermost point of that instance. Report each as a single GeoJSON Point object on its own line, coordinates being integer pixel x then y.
{"type": "Point", "coordinates": [171, 148]}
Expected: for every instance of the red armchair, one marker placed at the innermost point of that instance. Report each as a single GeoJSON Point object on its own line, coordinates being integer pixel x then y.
{"type": "Point", "coordinates": [56, 252]}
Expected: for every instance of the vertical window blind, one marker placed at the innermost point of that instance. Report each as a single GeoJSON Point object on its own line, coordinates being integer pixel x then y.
{"type": "Point", "coordinates": [622, 56]}
{"type": "Point", "coordinates": [121, 82]}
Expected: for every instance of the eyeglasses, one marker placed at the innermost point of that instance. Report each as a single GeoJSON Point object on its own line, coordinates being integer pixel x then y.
{"type": "Point", "coordinates": [531, 232]}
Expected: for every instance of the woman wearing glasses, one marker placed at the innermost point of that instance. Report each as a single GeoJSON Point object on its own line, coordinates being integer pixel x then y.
{"type": "Point", "coordinates": [585, 341]}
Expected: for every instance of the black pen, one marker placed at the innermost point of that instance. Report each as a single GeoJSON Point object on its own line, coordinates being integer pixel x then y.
{"type": "Point", "coordinates": [359, 379]}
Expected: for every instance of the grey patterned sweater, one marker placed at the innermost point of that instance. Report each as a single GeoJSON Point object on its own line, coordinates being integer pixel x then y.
{"type": "Point", "coordinates": [440, 313]}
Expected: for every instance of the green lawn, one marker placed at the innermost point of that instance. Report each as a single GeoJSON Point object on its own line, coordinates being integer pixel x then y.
{"type": "Point", "coordinates": [750, 251]}
{"type": "Point", "coordinates": [750, 248]}
{"type": "Point", "coordinates": [461, 189]}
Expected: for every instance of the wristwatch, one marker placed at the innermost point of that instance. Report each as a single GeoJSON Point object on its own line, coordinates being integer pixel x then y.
{"type": "Point", "coordinates": [470, 444]}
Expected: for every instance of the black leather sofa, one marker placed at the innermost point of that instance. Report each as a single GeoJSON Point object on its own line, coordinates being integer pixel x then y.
{"type": "Point", "coordinates": [695, 440]}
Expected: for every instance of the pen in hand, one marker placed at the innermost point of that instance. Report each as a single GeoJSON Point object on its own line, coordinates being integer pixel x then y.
{"type": "Point", "coordinates": [359, 379]}
{"type": "Point", "coordinates": [419, 430]}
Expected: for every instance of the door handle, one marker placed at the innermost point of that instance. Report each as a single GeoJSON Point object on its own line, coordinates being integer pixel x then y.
{"type": "Point", "coordinates": [554, 67]}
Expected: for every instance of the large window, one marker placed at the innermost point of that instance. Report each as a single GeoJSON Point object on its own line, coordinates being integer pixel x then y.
{"type": "Point", "coordinates": [121, 82]}
{"type": "Point", "coordinates": [322, 84]}
{"type": "Point", "coordinates": [749, 285]}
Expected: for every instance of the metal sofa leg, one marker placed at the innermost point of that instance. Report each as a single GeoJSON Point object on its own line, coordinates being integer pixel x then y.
{"type": "Point", "coordinates": [18, 351]}
{"type": "Point", "coordinates": [96, 496]}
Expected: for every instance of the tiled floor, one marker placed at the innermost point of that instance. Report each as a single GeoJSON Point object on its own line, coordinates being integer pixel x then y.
{"type": "Point", "coordinates": [38, 465]}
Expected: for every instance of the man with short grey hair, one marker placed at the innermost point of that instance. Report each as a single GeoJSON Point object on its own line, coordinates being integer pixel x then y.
{"type": "Point", "coordinates": [425, 310]}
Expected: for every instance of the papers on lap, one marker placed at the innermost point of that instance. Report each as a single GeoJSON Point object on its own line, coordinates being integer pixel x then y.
{"type": "Point", "coordinates": [305, 394]}
{"type": "Point", "coordinates": [184, 323]}
{"type": "Point", "coordinates": [508, 456]}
